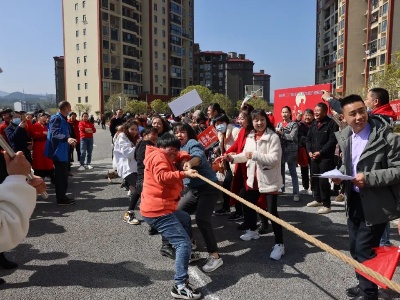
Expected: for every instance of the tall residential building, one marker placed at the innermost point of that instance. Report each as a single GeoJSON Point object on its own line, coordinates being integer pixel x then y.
{"type": "Point", "coordinates": [354, 40]}
{"type": "Point", "coordinates": [140, 48]}
{"type": "Point", "coordinates": [239, 72]}
{"type": "Point", "coordinates": [263, 79]}
{"type": "Point", "coordinates": [209, 69]}
{"type": "Point", "coordinates": [59, 77]}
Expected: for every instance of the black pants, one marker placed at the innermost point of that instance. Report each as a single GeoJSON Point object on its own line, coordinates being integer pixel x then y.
{"type": "Point", "coordinates": [362, 238]}
{"type": "Point", "coordinates": [227, 184]}
{"type": "Point", "coordinates": [321, 186]}
{"type": "Point", "coordinates": [305, 177]}
{"type": "Point", "coordinates": [250, 215]}
{"type": "Point", "coordinates": [78, 152]}
{"type": "Point", "coordinates": [135, 196]}
{"type": "Point", "coordinates": [61, 180]}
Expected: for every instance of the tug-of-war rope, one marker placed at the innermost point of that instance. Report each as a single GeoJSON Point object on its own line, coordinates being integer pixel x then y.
{"type": "Point", "coordinates": [350, 261]}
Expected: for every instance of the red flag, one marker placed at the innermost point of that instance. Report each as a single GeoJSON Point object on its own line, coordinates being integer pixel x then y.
{"type": "Point", "coordinates": [385, 263]}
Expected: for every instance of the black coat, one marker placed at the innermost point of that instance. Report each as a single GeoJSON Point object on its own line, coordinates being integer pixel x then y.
{"type": "Point", "coordinates": [322, 139]}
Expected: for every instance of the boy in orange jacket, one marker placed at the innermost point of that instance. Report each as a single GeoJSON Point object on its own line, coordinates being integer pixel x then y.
{"type": "Point", "coordinates": [162, 186]}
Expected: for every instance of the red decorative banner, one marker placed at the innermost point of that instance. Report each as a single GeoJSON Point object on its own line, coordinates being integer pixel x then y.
{"type": "Point", "coordinates": [208, 137]}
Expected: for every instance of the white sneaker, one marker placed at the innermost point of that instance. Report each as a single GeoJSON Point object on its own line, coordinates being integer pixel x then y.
{"type": "Point", "coordinates": [296, 198]}
{"type": "Point", "coordinates": [250, 235]}
{"type": "Point", "coordinates": [324, 210]}
{"type": "Point", "coordinates": [314, 204]}
{"type": "Point", "coordinates": [277, 251]}
{"type": "Point", "coordinates": [212, 264]}
{"type": "Point", "coordinates": [89, 167]}
{"type": "Point", "coordinates": [81, 168]}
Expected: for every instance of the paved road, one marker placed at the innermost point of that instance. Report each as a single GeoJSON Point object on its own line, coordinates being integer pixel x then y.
{"type": "Point", "coordinates": [86, 252]}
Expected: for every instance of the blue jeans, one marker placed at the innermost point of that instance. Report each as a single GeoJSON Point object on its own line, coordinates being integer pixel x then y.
{"type": "Point", "coordinates": [385, 239]}
{"type": "Point", "coordinates": [86, 149]}
{"type": "Point", "coordinates": [177, 229]}
{"type": "Point", "coordinates": [293, 174]}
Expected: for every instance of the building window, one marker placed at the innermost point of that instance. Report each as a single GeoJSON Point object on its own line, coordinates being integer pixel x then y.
{"type": "Point", "coordinates": [164, 68]}
{"type": "Point", "coordinates": [84, 45]}
{"type": "Point", "coordinates": [85, 58]}
{"type": "Point", "coordinates": [79, 86]}
{"type": "Point", "coordinates": [83, 4]}
{"type": "Point", "coordinates": [76, 20]}
{"type": "Point", "coordinates": [112, 6]}
{"type": "Point", "coordinates": [155, 19]}
{"type": "Point", "coordinates": [86, 86]}
{"type": "Point", "coordinates": [384, 26]}
{"type": "Point", "coordinates": [155, 30]}
{"type": "Point", "coordinates": [77, 73]}
{"type": "Point", "coordinates": [164, 79]}
{"type": "Point", "coordinates": [164, 57]}
{"type": "Point", "coordinates": [78, 60]}
{"type": "Point", "coordinates": [164, 45]}
{"type": "Point", "coordinates": [84, 31]}
{"type": "Point", "coordinates": [163, 33]}
{"type": "Point", "coordinates": [77, 33]}
{"type": "Point", "coordinates": [164, 91]}
{"type": "Point", "coordinates": [76, 6]}
{"type": "Point", "coordinates": [85, 72]}
{"type": "Point", "coordinates": [84, 18]}
{"type": "Point", "coordinates": [77, 46]}
{"type": "Point", "coordinates": [155, 7]}
{"type": "Point", "coordinates": [155, 43]}
{"type": "Point", "coordinates": [156, 66]}
{"type": "Point", "coordinates": [86, 99]}
{"type": "Point", "coordinates": [156, 78]}
{"type": "Point", "coordinates": [106, 86]}
{"type": "Point", "coordinates": [156, 89]}
{"type": "Point", "coordinates": [163, 10]}
{"type": "Point", "coordinates": [79, 99]}
{"type": "Point", "coordinates": [155, 54]}
{"type": "Point", "coordinates": [163, 22]}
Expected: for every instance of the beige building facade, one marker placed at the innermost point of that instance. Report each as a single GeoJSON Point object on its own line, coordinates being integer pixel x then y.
{"type": "Point", "coordinates": [355, 39]}
{"type": "Point", "coordinates": [139, 48]}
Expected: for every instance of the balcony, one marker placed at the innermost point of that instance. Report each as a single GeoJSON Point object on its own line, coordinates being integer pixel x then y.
{"type": "Point", "coordinates": [374, 18]}
{"type": "Point", "coordinates": [373, 47]}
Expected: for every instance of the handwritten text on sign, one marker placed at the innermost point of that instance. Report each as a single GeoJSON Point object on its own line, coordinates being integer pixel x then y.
{"type": "Point", "coordinates": [208, 137]}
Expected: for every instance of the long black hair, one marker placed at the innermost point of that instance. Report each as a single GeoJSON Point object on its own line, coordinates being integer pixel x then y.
{"type": "Point", "coordinates": [260, 112]}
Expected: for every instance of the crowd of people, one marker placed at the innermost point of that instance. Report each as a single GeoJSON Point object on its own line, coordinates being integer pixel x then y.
{"type": "Point", "coordinates": [159, 157]}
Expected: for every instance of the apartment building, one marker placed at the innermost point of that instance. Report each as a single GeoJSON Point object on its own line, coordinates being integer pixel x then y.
{"type": "Point", "coordinates": [140, 48]}
{"type": "Point", "coordinates": [59, 78]}
{"type": "Point", "coordinates": [209, 69]}
{"type": "Point", "coordinates": [354, 40]}
{"type": "Point", "coordinates": [263, 79]}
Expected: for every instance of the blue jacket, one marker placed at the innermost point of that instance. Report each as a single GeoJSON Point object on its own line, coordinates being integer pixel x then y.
{"type": "Point", "coordinates": [196, 149]}
{"type": "Point", "coordinates": [57, 147]}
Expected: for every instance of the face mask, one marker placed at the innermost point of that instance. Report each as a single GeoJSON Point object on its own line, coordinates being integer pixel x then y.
{"type": "Point", "coordinates": [16, 121]}
{"type": "Point", "coordinates": [221, 127]}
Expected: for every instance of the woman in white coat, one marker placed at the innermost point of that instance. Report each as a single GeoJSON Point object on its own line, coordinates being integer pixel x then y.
{"type": "Point", "coordinates": [124, 155]}
{"type": "Point", "coordinates": [262, 154]}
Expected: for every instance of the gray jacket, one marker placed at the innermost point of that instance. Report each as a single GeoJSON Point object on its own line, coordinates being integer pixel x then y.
{"type": "Point", "coordinates": [380, 163]}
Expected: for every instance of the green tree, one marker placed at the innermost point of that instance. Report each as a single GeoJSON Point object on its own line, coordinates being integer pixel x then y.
{"type": "Point", "coordinates": [389, 77]}
{"type": "Point", "coordinates": [205, 94]}
{"type": "Point", "coordinates": [114, 102]}
{"type": "Point", "coordinates": [160, 106]}
{"type": "Point", "coordinates": [224, 102]}
{"type": "Point", "coordinates": [81, 108]}
{"type": "Point", "coordinates": [136, 107]}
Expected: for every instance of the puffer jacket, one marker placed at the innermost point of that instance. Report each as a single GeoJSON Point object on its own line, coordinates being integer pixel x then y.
{"type": "Point", "coordinates": [266, 161]}
{"type": "Point", "coordinates": [380, 164]}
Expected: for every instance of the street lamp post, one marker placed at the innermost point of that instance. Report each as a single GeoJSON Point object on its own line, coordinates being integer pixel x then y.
{"type": "Point", "coordinates": [120, 101]}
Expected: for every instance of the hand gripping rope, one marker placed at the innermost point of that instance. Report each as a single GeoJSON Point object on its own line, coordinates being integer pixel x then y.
{"type": "Point", "coordinates": [348, 260]}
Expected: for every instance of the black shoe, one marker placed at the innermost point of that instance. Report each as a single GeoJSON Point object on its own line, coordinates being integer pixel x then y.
{"type": "Point", "coordinates": [362, 297]}
{"type": "Point", "coordinates": [222, 212]}
{"type": "Point", "coordinates": [168, 251]}
{"type": "Point", "coordinates": [2, 281]}
{"type": "Point", "coordinates": [353, 291]}
{"type": "Point", "coordinates": [186, 292]}
{"type": "Point", "coordinates": [66, 201]}
{"type": "Point", "coordinates": [152, 231]}
{"type": "Point", "coordinates": [263, 229]}
{"type": "Point", "coordinates": [242, 226]}
{"type": "Point", "coordinates": [236, 217]}
{"type": "Point", "coordinates": [5, 263]}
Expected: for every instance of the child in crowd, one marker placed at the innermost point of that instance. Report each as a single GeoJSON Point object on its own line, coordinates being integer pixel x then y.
{"type": "Point", "coordinates": [124, 150]}
{"type": "Point", "coordinates": [162, 186]}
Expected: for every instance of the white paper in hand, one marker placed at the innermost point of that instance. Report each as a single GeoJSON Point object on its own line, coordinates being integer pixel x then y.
{"type": "Point", "coordinates": [335, 173]}
{"type": "Point", "coordinates": [185, 103]}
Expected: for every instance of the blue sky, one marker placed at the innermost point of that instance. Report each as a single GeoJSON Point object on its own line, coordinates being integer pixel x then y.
{"type": "Point", "coordinates": [279, 36]}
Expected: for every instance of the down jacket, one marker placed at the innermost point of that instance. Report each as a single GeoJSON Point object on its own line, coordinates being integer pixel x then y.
{"type": "Point", "coordinates": [266, 161]}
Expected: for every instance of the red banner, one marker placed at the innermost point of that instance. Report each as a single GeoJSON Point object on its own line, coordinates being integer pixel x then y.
{"type": "Point", "coordinates": [208, 137]}
{"type": "Point", "coordinates": [395, 104]}
{"type": "Point", "coordinates": [298, 99]}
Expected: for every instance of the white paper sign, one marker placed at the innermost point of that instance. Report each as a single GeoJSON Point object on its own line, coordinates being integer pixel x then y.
{"type": "Point", "coordinates": [335, 173]}
{"type": "Point", "coordinates": [185, 103]}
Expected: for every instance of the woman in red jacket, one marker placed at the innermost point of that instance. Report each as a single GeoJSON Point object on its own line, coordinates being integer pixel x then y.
{"type": "Point", "coordinates": [86, 130]}
{"type": "Point", "coordinates": [41, 165]}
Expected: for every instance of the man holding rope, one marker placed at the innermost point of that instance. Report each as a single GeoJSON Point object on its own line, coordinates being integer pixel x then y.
{"type": "Point", "coordinates": [371, 154]}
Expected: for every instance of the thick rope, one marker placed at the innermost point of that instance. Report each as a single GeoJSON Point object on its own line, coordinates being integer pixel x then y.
{"type": "Point", "coordinates": [350, 261]}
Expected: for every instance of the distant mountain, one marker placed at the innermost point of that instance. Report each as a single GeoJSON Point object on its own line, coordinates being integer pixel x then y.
{"type": "Point", "coordinates": [3, 93]}
{"type": "Point", "coordinates": [25, 97]}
